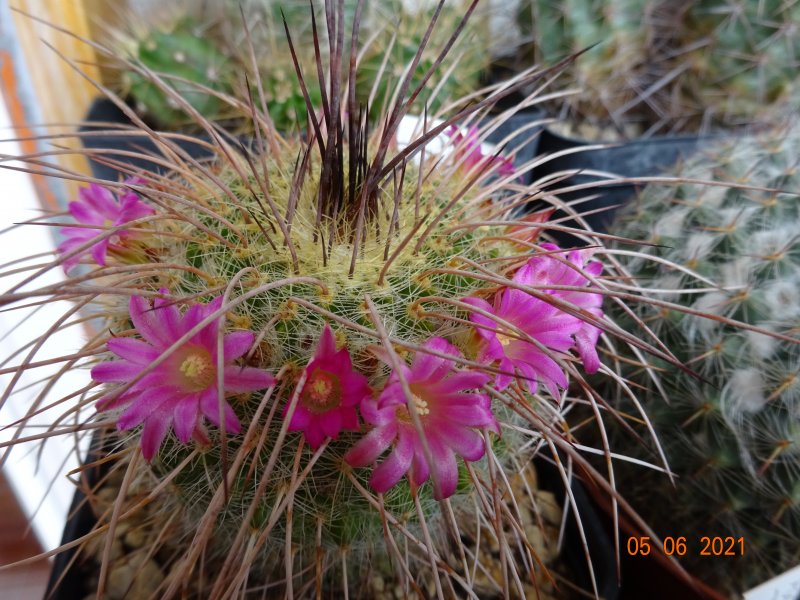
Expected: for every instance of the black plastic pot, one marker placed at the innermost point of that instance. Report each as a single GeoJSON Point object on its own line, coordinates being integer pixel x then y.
{"type": "Point", "coordinates": [70, 581]}
{"type": "Point", "coordinates": [571, 165]}
{"type": "Point", "coordinates": [600, 544]}
{"type": "Point", "coordinates": [102, 137]}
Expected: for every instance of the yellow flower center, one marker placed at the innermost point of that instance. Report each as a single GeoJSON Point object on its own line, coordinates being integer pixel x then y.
{"type": "Point", "coordinates": [320, 389]}
{"type": "Point", "coordinates": [322, 392]}
{"type": "Point", "coordinates": [504, 339]}
{"type": "Point", "coordinates": [421, 405]}
{"type": "Point", "coordinates": [196, 369]}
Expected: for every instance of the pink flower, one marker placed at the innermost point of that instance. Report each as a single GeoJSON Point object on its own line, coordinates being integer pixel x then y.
{"type": "Point", "coordinates": [448, 409]}
{"type": "Point", "coordinates": [183, 388]}
{"type": "Point", "coordinates": [528, 316]}
{"type": "Point", "coordinates": [99, 209]}
{"type": "Point", "coordinates": [531, 317]}
{"type": "Point", "coordinates": [544, 269]}
{"type": "Point", "coordinates": [332, 391]}
{"type": "Point", "coordinates": [469, 150]}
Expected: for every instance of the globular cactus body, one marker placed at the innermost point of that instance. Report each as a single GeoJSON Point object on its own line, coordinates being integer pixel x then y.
{"type": "Point", "coordinates": [184, 53]}
{"type": "Point", "coordinates": [730, 425]}
{"type": "Point", "coordinates": [330, 371]}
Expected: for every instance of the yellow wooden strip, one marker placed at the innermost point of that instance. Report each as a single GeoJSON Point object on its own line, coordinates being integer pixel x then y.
{"type": "Point", "coordinates": [63, 95]}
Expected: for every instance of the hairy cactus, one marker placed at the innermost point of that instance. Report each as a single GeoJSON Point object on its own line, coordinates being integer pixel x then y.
{"type": "Point", "coordinates": [184, 57]}
{"type": "Point", "coordinates": [314, 334]}
{"type": "Point", "coordinates": [323, 360]}
{"type": "Point", "coordinates": [730, 427]}
{"type": "Point", "coordinates": [669, 64]}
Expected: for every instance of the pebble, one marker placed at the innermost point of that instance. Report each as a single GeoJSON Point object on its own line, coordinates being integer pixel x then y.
{"type": "Point", "coordinates": [547, 506]}
{"type": "Point", "coordinates": [135, 537]}
{"type": "Point", "coordinates": [133, 578]}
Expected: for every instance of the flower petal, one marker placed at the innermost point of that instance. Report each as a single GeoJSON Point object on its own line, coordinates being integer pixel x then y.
{"type": "Point", "coordinates": [445, 470]}
{"type": "Point", "coordinates": [135, 351]}
{"type": "Point", "coordinates": [115, 371]}
{"type": "Point", "coordinates": [246, 379]}
{"type": "Point", "coordinates": [314, 436]}
{"type": "Point", "coordinates": [185, 417]}
{"type": "Point", "coordinates": [468, 416]}
{"type": "Point", "coordinates": [459, 381]}
{"type": "Point", "coordinates": [149, 323]}
{"type": "Point", "coordinates": [506, 376]}
{"type": "Point", "coordinates": [100, 200]}
{"type": "Point", "coordinates": [207, 337]}
{"type": "Point", "coordinates": [467, 443]}
{"type": "Point", "coordinates": [169, 316]}
{"type": "Point", "coordinates": [236, 344]}
{"type": "Point", "coordinates": [391, 470]}
{"type": "Point", "coordinates": [586, 345]}
{"type": "Point", "coordinates": [85, 215]}
{"type": "Point", "coordinates": [327, 342]}
{"type": "Point", "coordinates": [349, 419]}
{"type": "Point", "coordinates": [132, 208]}
{"type": "Point", "coordinates": [331, 423]}
{"type": "Point", "coordinates": [367, 450]}
{"type": "Point", "coordinates": [209, 406]}
{"type": "Point", "coordinates": [419, 465]}
{"type": "Point", "coordinates": [301, 417]}
{"type": "Point", "coordinates": [146, 403]}
{"type": "Point", "coordinates": [99, 250]}
{"type": "Point", "coordinates": [427, 366]}
{"type": "Point", "coordinates": [154, 432]}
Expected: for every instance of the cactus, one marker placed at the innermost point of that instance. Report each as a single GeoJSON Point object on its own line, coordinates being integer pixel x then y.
{"type": "Point", "coordinates": [318, 362]}
{"type": "Point", "coordinates": [667, 64]}
{"type": "Point", "coordinates": [186, 52]}
{"type": "Point", "coordinates": [323, 360]}
{"type": "Point", "coordinates": [731, 429]}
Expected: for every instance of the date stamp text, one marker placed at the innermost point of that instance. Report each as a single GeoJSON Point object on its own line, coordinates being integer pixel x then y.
{"type": "Point", "coordinates": [681, 546]}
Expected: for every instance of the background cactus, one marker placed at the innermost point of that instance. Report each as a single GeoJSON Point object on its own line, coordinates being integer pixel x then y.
{"type": "Point", "coordinates": [390, 54]}
{"type": "Point", "coordinates": [731, 433]}
{"type": "Point", "coordinates": [667, 65]}
{"type": "Point", "coordinates": [188, 51]}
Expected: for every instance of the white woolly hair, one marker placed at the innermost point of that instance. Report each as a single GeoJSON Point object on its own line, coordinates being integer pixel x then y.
{"type": "Point", "coordinates": [771, 241]}
{"type": "Point", "coordinates": [762, 346]}
{"type": "Point", "coordinates": [712, 303]}
{"type": "Point", "coordinates": [782, 299]}
{"type": "Point", "coordinates": [700, 245]}
{"type": "Point", "coordinates": [737, 273]}
{"type": "Point", "coordinates": [671, 224]}
{"type": "Point", "coordinates": [744, 392]}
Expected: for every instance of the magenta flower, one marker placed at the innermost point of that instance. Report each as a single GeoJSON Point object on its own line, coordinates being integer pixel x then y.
{"type": "Point", "coordinates": [547, 269]}
{"type": "Point", "coordinates": [332, 391]}
{"type": "Point", "coordinates": [182, 389]}
{"type": "Point", "coordinates": [449, 410]}
{"type": "Point", "coordinates": [530, 317]}
{"type": "Point", "coordinates": [469, 150]}
{"type": "Point", "coordinates": [99, 209]}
